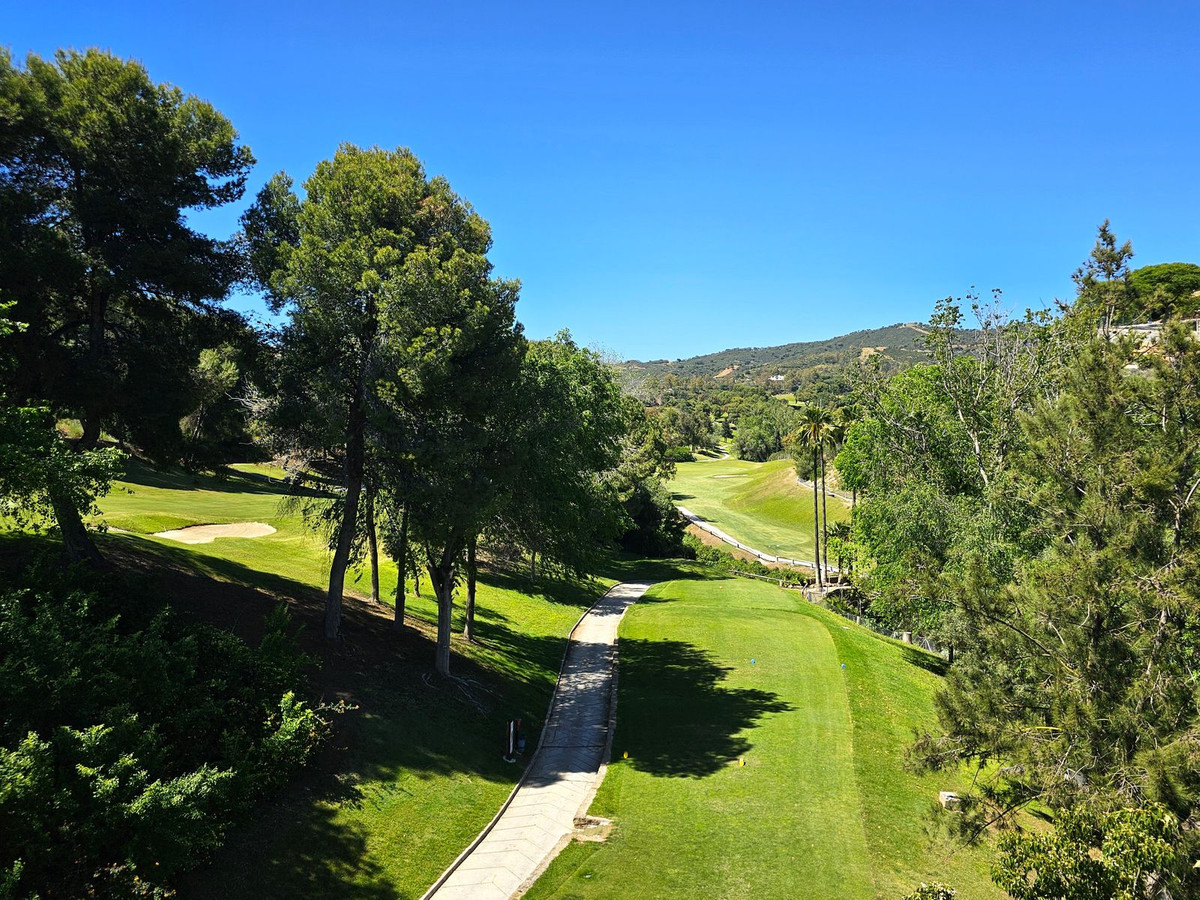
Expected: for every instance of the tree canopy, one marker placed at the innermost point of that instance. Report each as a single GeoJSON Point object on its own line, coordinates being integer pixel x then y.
{"type": "Point", "coordinates": [99, 167]}
{"type": "Point", "coordinates": [1033, 501]}
{"type": "Point", "coordinates": [1167, 289]}
{"type": "Point", "coordinates": [360, 264]}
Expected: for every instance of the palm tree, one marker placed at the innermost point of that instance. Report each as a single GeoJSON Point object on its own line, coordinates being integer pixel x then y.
{"type": "Point", "coordinates": [824, 518]}
{"type": "Point", "coordinates": [815, 424]}
{"type": "Point", "coordinates": [835, 435]}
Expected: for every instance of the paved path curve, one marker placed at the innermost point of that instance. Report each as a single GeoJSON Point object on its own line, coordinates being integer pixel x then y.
{"type": "Point", "coordinates": [564, 774]}
{"type": "Point", "coordinates": [701, 522]}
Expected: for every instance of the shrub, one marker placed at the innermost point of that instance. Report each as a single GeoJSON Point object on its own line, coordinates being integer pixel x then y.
{"type": "Point", "coordinates": [934, 891]}
{"type": "Point", "coordinates": [130, 740]}
{"type": "Point", "coordinates": [679, 455]}
{"type": "Point", "coordinates": [656, 527]}
{"type": "Point", "coordinates": [1093, 854]}
{"type": "Point", "coordinates": [724, 561]}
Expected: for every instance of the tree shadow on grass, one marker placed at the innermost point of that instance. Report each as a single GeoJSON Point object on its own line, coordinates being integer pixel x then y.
{"type": "Point", "coordinates": [527, 654]}
{"type": "Point", "coordinates": [675, 718]}
{"type": "Point", "coordinates": [226, 481]}
{"type": "Point", "coordinates": [583, 592]}
{"type": "Point", "coordinates": [692, 572]}
{"type": "Point", "coordinates": [332, 860]}
{"type": "Point", "coordinates": [923, 660]}
{"type": "Point", "coordinates": [554, 588]}
{"type": "Point", "coordinates": [492, 615]}
{"type": "Point", "coordinates": [624, 567]}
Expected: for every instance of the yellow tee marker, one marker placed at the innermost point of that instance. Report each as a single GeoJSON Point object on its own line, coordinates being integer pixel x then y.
{"type": "Point", "coordinates": [741, 761]}
{"type": "Point", "coordinates": [626, 755]}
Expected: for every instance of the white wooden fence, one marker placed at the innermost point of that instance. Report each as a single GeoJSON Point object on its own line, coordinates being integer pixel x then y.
{"type": "Point", "coordinates": [734, 542]}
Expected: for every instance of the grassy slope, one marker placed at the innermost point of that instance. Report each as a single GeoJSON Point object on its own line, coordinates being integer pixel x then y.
{"type": "Point", "coordinates": [760, 504]}
{"type": "Point", "coordinates": [421, 775]}
{"type": "Point", "coordinates": [417, 771]}
{"type": "Point", "coordinates": [149, 501]}
{"type": "Point", "coordinates": [822, 808]}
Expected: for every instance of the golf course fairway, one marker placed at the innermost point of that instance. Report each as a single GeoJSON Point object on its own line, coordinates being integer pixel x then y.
{"type": "Point", "coordinates": [757, 766]}
{"type": "Point", "coordinates": [760, 504]}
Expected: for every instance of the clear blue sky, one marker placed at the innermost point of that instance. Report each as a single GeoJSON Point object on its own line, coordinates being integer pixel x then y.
{"type": "Point", "coordinates": [672, 179]}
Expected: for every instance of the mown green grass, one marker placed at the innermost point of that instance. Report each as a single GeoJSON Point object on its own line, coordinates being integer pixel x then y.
{"type": "Point", "coordinates": [146, 497]}
{"type": "Point", "coordinates": [267, 470]}
{"type": "Point", "coordinates": [822, 808]}
{"type": "Point", "coordinates": [422, 772]}
{"type": "Point", "coordinates": [760, 504]}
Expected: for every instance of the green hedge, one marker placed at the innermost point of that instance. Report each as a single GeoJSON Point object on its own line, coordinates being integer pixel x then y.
{"type": "Point", "coordinates": [131, 739]}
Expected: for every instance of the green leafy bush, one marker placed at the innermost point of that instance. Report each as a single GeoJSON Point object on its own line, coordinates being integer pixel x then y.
{"type": "Point", "coordinates": [723, 561]}
{"type": "Point", "coordinates": [130, 740]}
{"type": "Point", "coordinates": [934, 891]}
{"type": "Point", "coordinates": [1092, 854]}
{"type": "Point", "coordinates": [679, 455]}
{"type": "Point", "coordinates": [656, 528]}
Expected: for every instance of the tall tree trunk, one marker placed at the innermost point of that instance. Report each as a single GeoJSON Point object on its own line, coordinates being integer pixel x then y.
{"type": "Point", "coordinates": [443, 587]}
{"type": "Point", "coordinates": [442, 576]}
{"type": "Point", "coordinates": [825, 524]}
{"type": "Point", "coordinates": [532, 566]}
{"type": "Point", "coordinates": [90, 420]}
{"type": "Point", "coordinates": [816, 524]}
{"type": "Point", "coordinates": [96, 360]}
{"type": "Point", "coordinates": [402, 569]}
{"type": "Point", "coordinates": [469, 627]}
{"type": "Point", "coordinates": [198, 427]}
{"type": "Point", "coordinates": [853, 510]}
{"type": "Point", "coordinates": [77, 543]}
{"type": "Point", "coordinates": [372, 543]}
{"type": "Point", "coordinates": [354, 480]}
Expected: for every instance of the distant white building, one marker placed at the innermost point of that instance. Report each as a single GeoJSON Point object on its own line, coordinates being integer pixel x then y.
{"type": "Point", "coordinates": [1148, 333]}
{"type": "Point", "coordinates": [776, 378]}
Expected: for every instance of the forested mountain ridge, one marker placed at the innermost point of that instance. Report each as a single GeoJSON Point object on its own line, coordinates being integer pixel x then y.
{"type": "Point", "coordinates": [1150, 293]}
{"type": "Point", "coordinates": [902, 343]}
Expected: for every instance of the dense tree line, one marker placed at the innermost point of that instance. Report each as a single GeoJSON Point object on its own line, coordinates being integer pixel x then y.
{"type": "Point", "coordinates": [1033, 500]}
{"type": "Point", "coordinates": [400, 366]}
{"type": "Point", "coordinates": [399, 371]}
{"type": "Point", "coordinates": [702, 413]}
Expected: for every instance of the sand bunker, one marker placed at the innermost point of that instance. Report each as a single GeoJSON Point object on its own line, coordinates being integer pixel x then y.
{"type": "Point", "coordinates": [204, 534]}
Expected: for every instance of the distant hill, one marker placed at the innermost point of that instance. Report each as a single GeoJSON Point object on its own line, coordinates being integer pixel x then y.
{"type": "Point", "coordinates": [902, 344]}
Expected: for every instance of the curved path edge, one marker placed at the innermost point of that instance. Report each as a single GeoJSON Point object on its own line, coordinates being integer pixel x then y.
{"type": "Point", "coordinates": [703, 523]}
{"type": "Point", "coordinates": [566, 769]}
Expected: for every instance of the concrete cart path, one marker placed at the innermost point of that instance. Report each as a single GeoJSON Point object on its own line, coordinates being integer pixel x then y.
{"type": "Point", "coordinates": [563, 777]}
